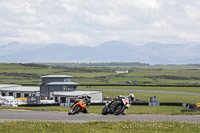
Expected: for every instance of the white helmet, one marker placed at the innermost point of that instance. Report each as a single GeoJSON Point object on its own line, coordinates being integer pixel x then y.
{"type": "Point", "coordinates": [89, 96]}
{"type": "Point", "coordinates": [131, 96]}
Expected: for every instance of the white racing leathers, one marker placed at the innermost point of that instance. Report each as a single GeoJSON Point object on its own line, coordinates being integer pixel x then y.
{"type": "Point", "coordinates": [127, 103]}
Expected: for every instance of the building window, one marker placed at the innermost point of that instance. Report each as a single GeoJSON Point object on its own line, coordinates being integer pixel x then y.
{"type": "Point", "coordinates": [26, 95]}
{"type": "Point", "coordinates": [51, 88]}
{"type": "Point", "coordinates": [63, 99]}
{"type": "Point", "coordinates": [10, 93]}
{"type": "Point", "coordinates": [33, 98]}
{"type": "Point", "coordinates": [3, 94]}
{"type": "Point", "coordinates": [67, 79]}
{"type": "Point", "coordinates": [69, 88]}
{"type": "Point", "coordinates": [32, 94]}
{"type": "Point", "coordinates": [18, 95]}
{"type": "Point", "coordinates": [64, 88]}
{"type": "Point", "coordinates": [56, 99]}
{"type": "Point", "coordinates": [72, 100]}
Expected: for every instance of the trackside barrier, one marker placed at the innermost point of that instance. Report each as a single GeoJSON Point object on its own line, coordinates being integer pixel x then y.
{"type": "Point", "coordinates": [190, 106]}
{"type": "Point", "coordinates": [66, 104]}
{"type": "Point", "coordinates": [38, 105]}
{"type": "Point", "coordinates": [97, 104]}
{"type": "Point", "coordinates": [171, 104]}
{"type": "Point", "coordinates": [154, 104]}
{"type": "Point", "coordinates": [140, 104]}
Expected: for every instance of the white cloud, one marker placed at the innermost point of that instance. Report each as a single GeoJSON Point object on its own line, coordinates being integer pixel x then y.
{"type": "Point", "coordinates": [78, 22]}
{"type": "Point", "coordinates": [76, 38]}
{"type": "Point", "coordinates": [143, 4]}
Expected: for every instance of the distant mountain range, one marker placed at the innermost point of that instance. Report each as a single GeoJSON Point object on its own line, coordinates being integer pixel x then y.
{"type": "Point", "coordinates": [112, 51]}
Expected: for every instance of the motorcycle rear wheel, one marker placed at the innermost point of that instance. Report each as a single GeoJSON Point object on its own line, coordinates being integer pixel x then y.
{"type": "Point", "coordinates": [119, 108]}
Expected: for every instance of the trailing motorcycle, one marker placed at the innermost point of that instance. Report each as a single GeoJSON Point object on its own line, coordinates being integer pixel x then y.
{"type": "Point", "coordinates": [118, 105]}
{"type": "Point", "coordinates": [80, 105]}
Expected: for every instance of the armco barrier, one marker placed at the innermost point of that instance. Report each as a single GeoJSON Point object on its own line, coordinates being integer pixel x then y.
{"type": "Point", "coordinates": [66, 104]}
{"type": "Point", "coordinates": [171, 104]}
{"type": "Point", "coordinates": [97, 104]}
{"type": "Point", "coordinates": [38, 105]}
{"type": "Point", "coordinates": [140, 104]}
{"type": "Point", "coordinates": [103, 104]}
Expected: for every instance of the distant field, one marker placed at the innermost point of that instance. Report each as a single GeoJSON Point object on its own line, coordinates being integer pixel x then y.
{"type": "Point", "coordinates": [100, 127]}
{"type": "Point", "coordinates": [161, 96]}
{"type": "Point", "coordinates": [175, 89]}
{"type": "Point", "coordinates": [30, 74]}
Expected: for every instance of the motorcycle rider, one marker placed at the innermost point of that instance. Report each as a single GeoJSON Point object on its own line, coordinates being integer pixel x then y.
{"type": "Point", "coordinates": [86, 99]}
{"type": "Point", "coordinates": [131, 97]}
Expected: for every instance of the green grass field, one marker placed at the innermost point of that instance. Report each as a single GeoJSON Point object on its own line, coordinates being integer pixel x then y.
{"type": "Point", "coordinates": [99, 127]}
{"type": "Point", "coordinates": [176, 89]}
{"type": "Point", "coordinates": [161, 96]}
{"type": "Point", "coordinates": [30, 74]}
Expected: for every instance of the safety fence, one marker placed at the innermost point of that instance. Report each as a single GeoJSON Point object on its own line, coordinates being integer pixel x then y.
{"type": "Point", "coordinates": [38, 105]}
{"type": "Point", "coordinates": [103, 104]}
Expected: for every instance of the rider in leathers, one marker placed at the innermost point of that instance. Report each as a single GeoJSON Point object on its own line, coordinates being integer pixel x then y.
{"type": "Point", "coordinates": [88, 101]}
{"type": "Point", "coordinates": [131, 97]}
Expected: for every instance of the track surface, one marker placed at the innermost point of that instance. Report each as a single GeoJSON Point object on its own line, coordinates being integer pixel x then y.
{"type": "Point", "coordinates": [13, 115]}
{"type": "Point", "coordinates": [147, 91]}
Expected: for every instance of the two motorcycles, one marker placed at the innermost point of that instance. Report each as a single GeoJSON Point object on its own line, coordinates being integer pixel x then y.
{"type": "Point", "coordinates": [117, 106]}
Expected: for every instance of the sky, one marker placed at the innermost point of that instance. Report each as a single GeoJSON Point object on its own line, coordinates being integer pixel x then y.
{"type": "Point", "coordinates": [92, 22]}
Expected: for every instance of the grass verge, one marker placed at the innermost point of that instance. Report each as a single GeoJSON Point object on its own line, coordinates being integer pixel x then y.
{"type": "Point", "coordinates": [99, 127]}
{"type": "Point", "coordinates": [171, 110]}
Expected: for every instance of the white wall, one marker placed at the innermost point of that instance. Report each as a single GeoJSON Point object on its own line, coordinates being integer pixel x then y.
{"type": "Point", "coordinates": [97, 97]}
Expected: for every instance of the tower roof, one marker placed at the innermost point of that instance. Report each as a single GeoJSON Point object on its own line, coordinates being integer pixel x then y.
{"type": "Point", "coordinates": [56, 76]}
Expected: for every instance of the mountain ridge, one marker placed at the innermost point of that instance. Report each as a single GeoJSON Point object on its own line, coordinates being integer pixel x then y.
{"type": "Point", "coordinates": [111, 51]}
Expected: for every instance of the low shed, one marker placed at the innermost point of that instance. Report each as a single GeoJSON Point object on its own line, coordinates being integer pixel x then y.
{"type": "Point", "coordinates": [70, 96]}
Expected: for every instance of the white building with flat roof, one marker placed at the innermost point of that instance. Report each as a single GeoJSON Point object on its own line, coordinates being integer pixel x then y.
{"type": "Point", "coordinates": [18, 91]}
{"type": "Point", "coordinates": [70, 96]}
{"type": "Point", "coordinates": [53, 87]}
{"type": "Point", "coordinates": [121, 71]}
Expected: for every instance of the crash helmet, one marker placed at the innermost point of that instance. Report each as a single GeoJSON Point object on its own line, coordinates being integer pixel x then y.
{"type": "Point", "coordinates": [119, 96]}
{"type": "Point", "coordinates": [88, 96]}
{"type": "Point", "coordinates": [131, 96]}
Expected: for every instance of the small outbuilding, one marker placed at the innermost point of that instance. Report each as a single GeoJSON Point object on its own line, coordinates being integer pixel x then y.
{"type": "Point", "coordinates": [70, 96]}
{"type": "Point", "coordinates": [18, 91]}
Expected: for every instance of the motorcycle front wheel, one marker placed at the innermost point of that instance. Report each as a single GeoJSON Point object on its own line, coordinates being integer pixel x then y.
{"type": "Point", "coordinates": [75, 110]}
{"type": "Point", "coordinates": [104, 111]}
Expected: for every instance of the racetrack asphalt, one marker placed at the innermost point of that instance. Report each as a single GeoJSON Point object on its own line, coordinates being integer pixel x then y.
{"type": "Point", "coordinates": [14, 115]}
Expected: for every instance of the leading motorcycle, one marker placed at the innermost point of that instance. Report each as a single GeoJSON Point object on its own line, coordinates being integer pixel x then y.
{"type": "Point", "coordinates": [80, 105]}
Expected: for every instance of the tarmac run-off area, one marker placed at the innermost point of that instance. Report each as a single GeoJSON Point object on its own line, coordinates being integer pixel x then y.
{"type": "Point", "coordinates": [23, 115]}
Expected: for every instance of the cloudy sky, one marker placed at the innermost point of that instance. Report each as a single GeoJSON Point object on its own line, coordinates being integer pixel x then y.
{"type": "Point", "coordinates": [92, 22]}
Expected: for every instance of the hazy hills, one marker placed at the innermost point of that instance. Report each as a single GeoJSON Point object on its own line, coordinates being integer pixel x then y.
{"type": "Point", "coordinates": [112, 51]}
